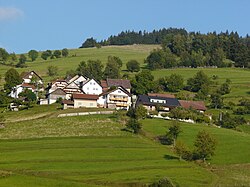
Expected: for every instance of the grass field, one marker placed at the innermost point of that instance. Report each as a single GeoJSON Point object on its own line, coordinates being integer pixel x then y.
{"type": "Point", "coordinates": [94, 151]}
{"type": "Point", "coordinates": [87, 151]}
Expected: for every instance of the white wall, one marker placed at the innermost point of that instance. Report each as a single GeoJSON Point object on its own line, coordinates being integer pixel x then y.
{"type": "Point", "coordinates": [92, 87]}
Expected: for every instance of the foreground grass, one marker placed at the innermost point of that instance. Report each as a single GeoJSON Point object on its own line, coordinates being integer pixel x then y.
{"type": "Point", "coordinates": [102, 161]}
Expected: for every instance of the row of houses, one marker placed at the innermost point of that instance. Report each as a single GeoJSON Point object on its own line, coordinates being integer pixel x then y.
{"type": "Point", "coordinates": [80, 91]}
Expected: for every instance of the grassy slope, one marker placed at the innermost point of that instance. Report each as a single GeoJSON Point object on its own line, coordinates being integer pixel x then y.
{"type": "Point", "coordinates": [101, 154]}
{"type": "Point", "coordinates": [232, 156]}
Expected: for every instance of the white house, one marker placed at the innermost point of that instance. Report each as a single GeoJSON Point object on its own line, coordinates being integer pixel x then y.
{"type": "Point", "coordinates": [31, 77]}
{"type": "Point", "coordinates": [118, 98]}
{"type": "Point", "coordinates": [91, 87]}
{"type": "Point", "coordinates": [20, 88]}
{"type": "Point", "coordinates": [55, 95]}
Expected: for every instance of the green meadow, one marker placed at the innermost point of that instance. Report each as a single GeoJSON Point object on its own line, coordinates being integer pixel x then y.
{"type": "Point", "coordinates": [96, 151]}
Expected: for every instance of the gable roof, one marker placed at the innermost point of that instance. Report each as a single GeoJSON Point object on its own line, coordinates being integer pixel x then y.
{"type": "Point", "coordinates": [167, 95]}
{"type": "Point", "coordinates": [118, 88]}
{"type": "Point", "coordinates": [85, 96]}
{"type": "Point", "coordinates": [25, 75]}
{"type": "Point", "coordinates": [72, 85]}
{"type": "Point", "coordinates": [197, 105]}
{"type": "Point", "coordinates": [119, 82]}
{"type": "Point", "coordinates": [146, 100]}
{"type": "Point", "coordinates": [58, 91]}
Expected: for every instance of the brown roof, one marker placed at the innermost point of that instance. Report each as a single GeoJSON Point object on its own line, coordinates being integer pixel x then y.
{"type": "Point", "coordinates": [27, 85]}
{"type": "Point", "coordinates": [119, 82]}
{"type": "Point", "coordinates": [197, 105]}
{"type": "Point", "coordinates": [120, 88]}
{"type": "Point", "coordinates": [167, 95]}
{"type": "Point", "coordinates": [68, 102]}
{"type": "Point", "coordinates": [85, 96]}
{"type": "Point", "coordinates": [59, 91]}
{"type": "Point", "coordinates": [104, 83]}
{"type": "Point", "coordinates": [25, 75]}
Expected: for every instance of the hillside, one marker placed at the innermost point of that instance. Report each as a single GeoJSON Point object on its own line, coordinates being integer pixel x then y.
{"type": "Point", "coordinates": [126, 53]}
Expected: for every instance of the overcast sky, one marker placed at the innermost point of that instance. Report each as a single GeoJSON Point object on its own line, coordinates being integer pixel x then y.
{"type": "Point", "coordinates": [57, 24]}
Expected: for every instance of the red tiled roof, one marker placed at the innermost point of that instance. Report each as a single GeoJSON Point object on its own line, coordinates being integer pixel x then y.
{"type": "Point", "coordinates": [119, 82]}
{"type": "Point", "coordinates": [161, 95]}
{"type": "Point", "coordinates": [197, 105]}
{"type": "Point", "coordinates": [27, 85]}
{"type": "Point", "coordinates": [85, 96]}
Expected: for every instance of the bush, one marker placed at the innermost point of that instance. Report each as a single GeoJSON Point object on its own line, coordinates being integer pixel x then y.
{"type": "Point", "coordinates": [134, 125]}
{"type": "Point", "coordinates": [165, 182]}
{"type": "Point", "coordinates": [133, 66]}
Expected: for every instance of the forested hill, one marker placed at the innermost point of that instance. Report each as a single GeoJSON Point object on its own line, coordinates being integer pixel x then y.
{"type": "Point", "coordinates": [132, 37]}
{"type": "Point", "coordinates": [210, 48]}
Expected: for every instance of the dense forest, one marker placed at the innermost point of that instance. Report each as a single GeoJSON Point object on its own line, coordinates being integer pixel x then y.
{"type": "Point", "coordinates": [185, 49]}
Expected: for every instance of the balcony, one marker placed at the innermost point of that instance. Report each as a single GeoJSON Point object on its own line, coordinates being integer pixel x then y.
{"type": "Point", "coordinates": [121, 104]}
{"type": "Point", "coordinates": [124, 99]}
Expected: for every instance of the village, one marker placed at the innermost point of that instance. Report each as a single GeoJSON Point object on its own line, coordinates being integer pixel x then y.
{"type": "Point", "coordinates": [82, 92]}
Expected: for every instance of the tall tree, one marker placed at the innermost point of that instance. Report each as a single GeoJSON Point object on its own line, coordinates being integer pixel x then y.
{"type": "Point", "coordinates": [205, 145]}
{"type": "Point", "coordinates": [133, 66]}
{"type": "Point", "coordinates": [195, 83]}
{"type": "Point", "coordinates": [33, 54]}
{"type": "Point", "coordinates": [91, 69]}
{"type": "Point", "coordinates": [12, 78]}
{"type": "Point", "coordinates": [3, 55]}
{"type": "Point", "coordinates": [112, 70]}
{"type": "Point", "coordinates": [52, 71]}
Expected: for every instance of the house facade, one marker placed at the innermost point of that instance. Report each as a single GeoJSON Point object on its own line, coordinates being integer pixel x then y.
{"type": "Point", "coordinates": [91, 87]}
{"type": "Point", "coordinates": [85, 100]}
{"type": "Point", "coordinates": [55, 95]}
{"type": "Point", "coordinates": [118, 98]}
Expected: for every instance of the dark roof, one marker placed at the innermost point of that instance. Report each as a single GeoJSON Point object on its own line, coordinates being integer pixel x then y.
{"type": "Point", "coordinates": [25, 75]}
{"type": "Point", "coordinates": [167, 95]}
{"type": "Point", "coordinates": [145, 100]}
{"type": "Point", "coordinates": [85, 96]}
{"type": "Point", "coordinates": [119, 82]}
{"type": "Point", "coordinates": [119, 88]}
{"type": "Point", "coordinates": [197, 105]}
{"type": "Point", "coordinates": [59, 91]}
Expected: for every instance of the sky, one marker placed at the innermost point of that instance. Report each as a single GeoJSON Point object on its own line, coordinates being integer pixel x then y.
{"type": "Point", "coordinates": [58, 24]}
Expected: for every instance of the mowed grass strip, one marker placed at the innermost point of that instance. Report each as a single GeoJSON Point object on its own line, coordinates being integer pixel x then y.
{"type": "Point", "coordinates": [92, 125]}
{"type": "Point", "coordinates": [98, 161]}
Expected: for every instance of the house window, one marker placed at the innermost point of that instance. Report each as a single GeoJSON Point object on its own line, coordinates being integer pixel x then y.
{"type": "Point", "coordinates": [93, 83]}
{"type": "Point", "coordinates": [88, 88]}
{"type": "Point", "coordinates": [91, 104]}
{"type": "Point", "coordinates": [119, 91]}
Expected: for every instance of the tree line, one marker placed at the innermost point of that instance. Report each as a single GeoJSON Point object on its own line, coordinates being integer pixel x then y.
{"type": "Point", "coordinates": [186, 49]}
{"type": "Point", "coordinates": [132, 37]}
{"type": "Point", "coordinates": [32, 55]}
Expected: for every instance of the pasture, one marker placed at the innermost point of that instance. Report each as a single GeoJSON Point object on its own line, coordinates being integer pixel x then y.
{"type": "Point", "coordinates": [87, 151]}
